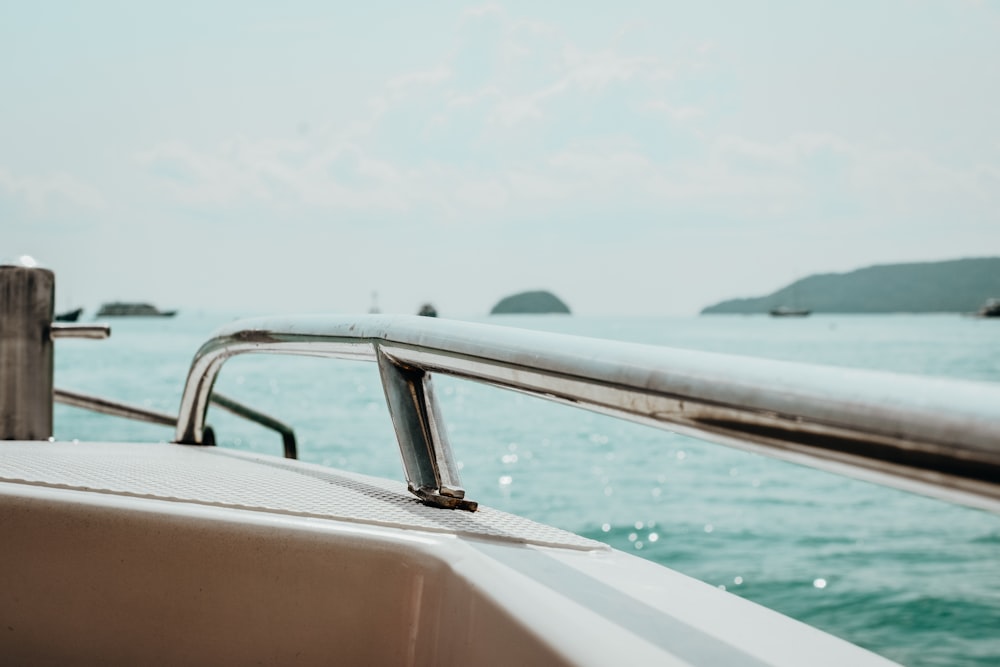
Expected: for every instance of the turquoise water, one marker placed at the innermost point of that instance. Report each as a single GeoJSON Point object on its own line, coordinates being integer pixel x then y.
{"type": "Point", "coordinates": [914, 579]}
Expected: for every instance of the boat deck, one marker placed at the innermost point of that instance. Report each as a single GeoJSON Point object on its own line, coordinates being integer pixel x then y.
{"type": "Point", "coordinates": [229, 478]}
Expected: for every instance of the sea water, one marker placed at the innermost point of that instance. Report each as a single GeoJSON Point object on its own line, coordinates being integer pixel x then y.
{"type": "Point", "coordinates": [911, 578]}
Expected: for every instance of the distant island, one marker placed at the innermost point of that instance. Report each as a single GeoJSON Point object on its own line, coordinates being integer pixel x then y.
{"type": "Point", "coordinates": [129, 309]}
{"type": "Point", "coordinates": [536, 302]}
{"type": "Point", "coordinates": [954, 286]}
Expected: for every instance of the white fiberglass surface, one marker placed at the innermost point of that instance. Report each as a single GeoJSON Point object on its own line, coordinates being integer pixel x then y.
{"type": "Point", "coordinates": [107, 578]}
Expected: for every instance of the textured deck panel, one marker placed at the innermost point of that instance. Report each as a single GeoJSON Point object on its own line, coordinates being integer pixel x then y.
{"type": "Point", "coordinates": [227, 478]}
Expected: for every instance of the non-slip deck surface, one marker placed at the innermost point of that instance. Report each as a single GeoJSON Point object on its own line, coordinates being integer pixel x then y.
{"type": "Point", "coordinates": [221, 477]}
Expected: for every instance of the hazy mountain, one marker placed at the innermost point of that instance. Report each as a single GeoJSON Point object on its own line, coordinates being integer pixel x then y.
{"type": "Point", "coordinates": [955, 286]}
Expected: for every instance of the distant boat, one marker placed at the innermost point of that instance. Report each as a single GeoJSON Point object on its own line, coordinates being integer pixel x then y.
{"type": "Point", "coordinates": [990, 309]}
{"type": "Point", "coordinates": [793, 310]}
{"type": "Point", "coordinates": [785, 311]}
{"type": "Point", "coordinates": [125, 309]}
{"type": "Point", "coordinates": [68, 316]}
{"type": "Point", "coordinates": [428, 310]}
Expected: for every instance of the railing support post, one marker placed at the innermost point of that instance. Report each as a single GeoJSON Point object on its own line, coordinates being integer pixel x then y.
{"type": "Point", "coordinates": [431, 473]}
{"type": "Point", "coordinates": [26, 303]}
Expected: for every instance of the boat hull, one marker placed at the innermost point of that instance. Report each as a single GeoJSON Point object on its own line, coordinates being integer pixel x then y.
{"type": "Point", "coordinates": [123, 555]}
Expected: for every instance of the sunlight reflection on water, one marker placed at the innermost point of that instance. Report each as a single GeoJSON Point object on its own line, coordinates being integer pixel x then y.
{"type": "Point", "coordinates": [765, 529]}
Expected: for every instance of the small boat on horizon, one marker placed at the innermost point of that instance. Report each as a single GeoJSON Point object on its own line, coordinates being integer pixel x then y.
{"type": "Point", "coordinates": [990, 309]}
{"type": "Point", "coordinates": [68, 316]}
{"type": "Point", "coordinates": [786, 311]}
{"type": "Point", "coordinates": [127, 309]}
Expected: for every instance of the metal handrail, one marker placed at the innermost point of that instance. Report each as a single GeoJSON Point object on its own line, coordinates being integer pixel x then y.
{"type": "Point", "coordinates": [124, 410]}
{"type": "Point", "coordinates": [107, 406]}
{"type": "Point", "coordinates": [258, 417]}
{"type": "Point", "coordinates": [934, 436]}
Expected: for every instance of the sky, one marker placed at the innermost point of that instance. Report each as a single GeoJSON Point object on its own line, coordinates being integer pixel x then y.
{"type": "Point", "coordinates": [635, 158]}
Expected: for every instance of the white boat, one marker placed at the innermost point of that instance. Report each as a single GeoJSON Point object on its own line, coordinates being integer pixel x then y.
{"type": "Point", "coordinates": [182, 553]}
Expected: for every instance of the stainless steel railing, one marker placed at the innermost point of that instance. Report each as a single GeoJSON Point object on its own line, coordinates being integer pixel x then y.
{"type": "Point", "coordinates": [27, 332]}
{"type": "Point", "coordinates": [934, 436]}
{"type": "Point", "coordinates": [124, 410]}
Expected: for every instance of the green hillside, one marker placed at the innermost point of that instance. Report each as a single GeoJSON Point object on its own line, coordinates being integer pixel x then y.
{"type": "Point", "coordinates": [955, 286]}
{"type": "Point", "coordinates": [535, 302]}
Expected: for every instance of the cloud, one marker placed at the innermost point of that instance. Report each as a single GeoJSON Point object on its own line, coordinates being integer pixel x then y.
{"type": "Point", "coordinates": [512, 110]}
{"type": "Point", "coordinates": [44, 194]}
{"type": "Point", "coordinates": [677, 114]}
{"type": "Point", "coordinates": [293, 173]}
{"type": "Point", "coordinates": [431, 77]}
{"type": "Point", "coordinates": [545, 124]}
{"type": "Point", "coordinates": [595, 71]}
{"type": "Point", "coordinates": [821, 177]}
{"type": "Point", "coordinates": [491, 9]}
